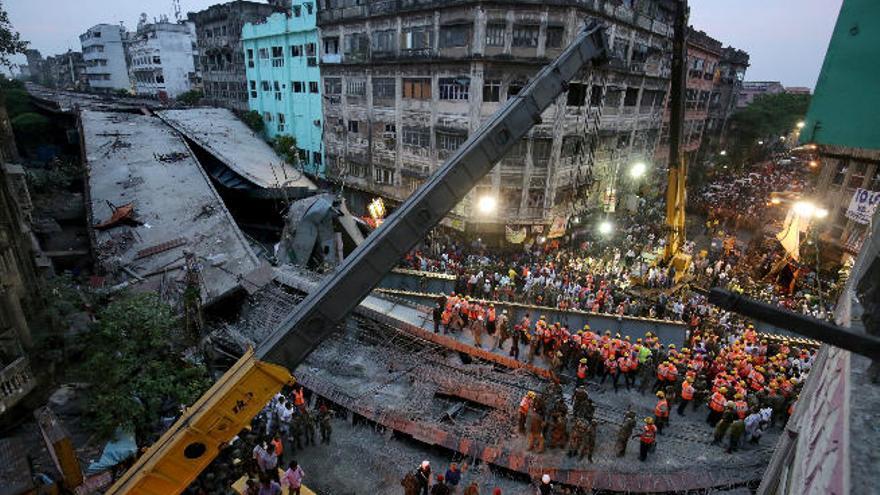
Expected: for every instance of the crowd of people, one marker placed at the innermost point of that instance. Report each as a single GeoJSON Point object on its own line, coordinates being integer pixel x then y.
{"type": "Point", "coordinates": [288, 426]}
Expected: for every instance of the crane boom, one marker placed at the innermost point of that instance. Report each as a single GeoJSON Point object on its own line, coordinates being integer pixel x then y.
{"type": "Point", "coordinates": [171, 464]}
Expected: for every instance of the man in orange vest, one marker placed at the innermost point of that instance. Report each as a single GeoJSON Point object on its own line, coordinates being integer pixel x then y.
{"type": "Point", "coordinates": [611, 370]}
{"type": "Point", "coordinates": [524, 405]}
{"type": "Point", "coordinates": [582, 372]}
{"type": "Point", "coordinates": [687, 394]}
{"type": "Point", "coordinates": [740, 406]}
{"type": "Point", "coordinates": [490, 320]}
{"type": "Point", "coordinates": [756, 379]}
{"type": "Point", "coordinates": [661, 412]}
{"type": "Point", "coordinates": [299, 399]}
{"type": "Point", "coordinates": [716, 406]}
{"type": "Point", "coordinates": [647, 438]}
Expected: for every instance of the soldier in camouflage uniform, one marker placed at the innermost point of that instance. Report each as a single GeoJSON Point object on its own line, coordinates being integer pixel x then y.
{"type": "Point", "coordinates": [326, 428]}
{"type": "Point", "coordinates": [576, 439]}
{"type": "Point", "coordinates": [625, 432]}
{"type": "Point", "coordinates": [579, 402]}
{"type": "Point", "coordinates": [558, 433]}
{"type": "Point", "coordinates": [308, 424]}
{"type": "Point", "coordinates": [588, 446]}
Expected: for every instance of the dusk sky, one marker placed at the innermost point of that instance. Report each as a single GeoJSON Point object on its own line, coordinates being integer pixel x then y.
{"type": "Point", "coordinates": [786, 39]}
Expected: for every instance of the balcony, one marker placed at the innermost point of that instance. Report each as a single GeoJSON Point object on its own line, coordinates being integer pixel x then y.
{"type": "Point", "coordinates": [16, 381]}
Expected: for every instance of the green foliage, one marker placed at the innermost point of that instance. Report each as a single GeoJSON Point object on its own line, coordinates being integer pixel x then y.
{"type": "Point", "coordinates": [286, 147]}
{"type": "Point", "coordinates": [766, 118]}
{"type": "Point", "coordinates": [254, 120]}
{"type": "Point", "coordinates": [191, 97]}
{"type": "Point", "coordinates": [31, 125]}
{"type": "Point", "coordinates": [133, 368]}
{"type": "Point", "coordinates": [55, 177]}
{"type": "Point", "coordinates": [17, 102]}
{"type": "Point", "coordinates": [10, 40]}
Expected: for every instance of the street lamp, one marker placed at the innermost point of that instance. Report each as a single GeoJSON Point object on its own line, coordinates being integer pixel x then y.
{"type": "Point", "coordinates": [801, 124]}
{"type": "Point", "coordinates": [605, 227]}
{"type": "Point", "coordinates": [761, 143]}
{"type": "Point", "coordinates": [723, 153]}
{"type": "Point", "coordinates": [820, 213]}
{"type": "Point", "coordinates": [638, 170]}
{"type": "Point", "coordinates": [487, 204]}
{"type": "Point", "coordinates": [804, 209]}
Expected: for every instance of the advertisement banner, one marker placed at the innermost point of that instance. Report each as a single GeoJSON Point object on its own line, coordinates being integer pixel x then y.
{"type": "Point", "coordinates": [515, 234]}
{"type": "Point", "coordinates": [862, 206]}
{"type": "Point", "coordinates": [557, 229]}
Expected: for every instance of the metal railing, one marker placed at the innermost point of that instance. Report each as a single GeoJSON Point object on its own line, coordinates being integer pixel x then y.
{"type": "Point", "coordinates": [16, 381]}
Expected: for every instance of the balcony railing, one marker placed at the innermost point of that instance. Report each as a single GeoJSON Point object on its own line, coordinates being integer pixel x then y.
{"type": "Point", "coordinates": [16, 381]}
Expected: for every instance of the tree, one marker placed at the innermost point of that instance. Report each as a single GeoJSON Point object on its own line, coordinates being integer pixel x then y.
{"type": "Point", "coordinates": [135, 372]}
{"type": "Point", "coordinates": [10, 40]}
{"type": "Point", "coordinates": [31, 129]}
{"type": "Point", "coordinates": [286, 147]}
{"type": "Point", "coordinates": [767, 117]}
{"type": "Point", "coordinates": [253, 120]}
{"type": "Point", "coordinates": [190, 98]}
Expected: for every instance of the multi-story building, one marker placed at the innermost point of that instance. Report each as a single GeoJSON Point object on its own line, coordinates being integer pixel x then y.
{"type": "Point", "coordinates": [405, 84]}
{"type": "Point", "coordinates": [218, 34]}
{"type": "Point", "coordinates": [163, 58]}
{"type": "Point", "coordinates": [797, 90]}
{"type": "Point", "coordinates": [65, 71]}
{"type": "Point", "coordinates": [104, 52]}
{"type": "Point", "coordinates": [702, 75]}
{"type": "Point", "coordinates": [752, 89]}
{"type": "Point", "coordinates": [722, 102]}
{"type": "Point", "coordinates": [284, 82]}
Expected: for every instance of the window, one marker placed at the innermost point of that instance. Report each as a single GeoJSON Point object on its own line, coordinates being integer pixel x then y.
{"type": "Point", "coordinates": [250, 57]}
{"type": "Point", "coordinates": [417, 88]}
{"type": "Point", "coordinates": [875, 183]}
{"type": "Point", "coordinates": [297, 86]}
{"type": "Point", "coordinates": [596, 96]}
{"type": "Point", "coordinates": [277, 88]}
{"type": "Point", "coordinates": [353, 126]}
{"type": "Point", "coordinates": [495, 33]}
{"type": "Point", "coordinates": [309, 8]}
{"type": "Point", "coordinates": [356, 87]}
{"type": "Point", "coordinates": [541, 152]}
{"type": "Point", "coordinates": [383, 41]}
{"type": "Point", "coordinates": [840, 174]}
{"type": "Point", "coordinates": [631, 97]}
{"type": "Point", "coordinates": [454, 88]}
{"type": "Point", "coordinates": [416, 136]}
{"type": "Point", "coordinates": [296, 50]}
{"type": "Point", "coordinates": [455, 35]}
{"type": "Point", "coordinates": [264, 53]}
{"type": "Point", "coordinates": [383, 87]}
{"type": "Point", "coordinates": [253, 88]}
{"type": "Point", "coordinates": [157, 60]}
{"type": "Point", "coordinates": [554, 36]}
{"type": "Point", "coordinates": [450, 141]}
{"type": "Point", "coordinates": [264, 85]}
{"type": "Point", "coordinates": [357, 45]}
{"type": "Point", "coordinates": [277, 56]}
{"type": "Point", "coordinates": [382, 175]}
{"type": "Point", "coordinates": [571, 146]}
{"type": "Point", "coordinates": [390, 129]}
{"type": "Point", "coordinates": [331, 45]}
{"type": "Point", "coordinates": [857, 177]}
{"type": "Point", "coordinates": [417, 38]}
{"type": "Point", "coordinates": [525, 35]}
{"type": "Point", "coordinates": [514, 88]}
{"type": "Point", "coordinates": [492, 90]}
{"type": "Point", "coordinates": [297, 10]}
{"type": "Point", "coordinates": [267, 116]}
{"type": "Point", "coordinates": [313, 87]}
{"type": "Point", "coordinates": [577, 95]}
{"type": "Point", "coordinates": [316, 158]}
{"type": "Point", "coordinates": [311, 50]}
{"type": "Point", "coordinates": [280, 122]}
{"type": "Point", "coordinates": [332, 85]}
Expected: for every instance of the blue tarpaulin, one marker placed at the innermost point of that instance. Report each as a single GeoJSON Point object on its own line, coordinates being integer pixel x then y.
{"type": "Point", "coordinates": [120, 448]}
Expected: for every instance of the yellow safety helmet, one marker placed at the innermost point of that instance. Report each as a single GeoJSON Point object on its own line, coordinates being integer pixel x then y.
{"type": "Point", "coordinates": [583, 361]}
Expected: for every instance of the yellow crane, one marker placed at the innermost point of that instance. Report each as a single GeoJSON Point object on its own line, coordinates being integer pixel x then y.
{"type": "Point", "coordinates": [193, 441]}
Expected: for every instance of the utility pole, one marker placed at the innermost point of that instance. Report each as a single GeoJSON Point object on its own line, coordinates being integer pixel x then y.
{"type": "Point", "coordinates": [676, 194]}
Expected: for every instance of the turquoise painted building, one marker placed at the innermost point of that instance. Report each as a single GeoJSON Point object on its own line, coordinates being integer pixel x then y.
{"type": "Point", "coordinates": [284, 81]}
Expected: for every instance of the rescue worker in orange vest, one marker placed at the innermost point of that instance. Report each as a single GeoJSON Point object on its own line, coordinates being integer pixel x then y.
{"type": "Point", "coordinates": [661, 412]}
{"type": "Point", "coordinates": [299, 399]}
{"type": "Point", "coordinates": [524, 405]}
{"type": "Point", "coordinates": [632, 365]}
{"type": "Point", "coordinates": [490, 320]}
{"type": "Point", "coordinates": [581, 372]}
{"type": "Point", "coordinates": [716, 406]}
{"type": "Point", "coordinates": [647, 438]}
{"type": "Point", "coordinates": [612, 371]}
{"type": "Point", "coordinates": [687, 394]}
{"type": "Point", "coordinates": [756, 379]}
{"type": "Point", "coordinates": [740, 406]}
{"type": "Point", "coordinates": [660, 384]}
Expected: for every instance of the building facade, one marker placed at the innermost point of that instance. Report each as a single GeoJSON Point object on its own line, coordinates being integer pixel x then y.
{"type": "Point", "coordinates": [753, 89]}
{"type": "Point", "coordinates": [163, 58]}
{"type": "Point", "coordinates": [722, 103]}
{"type": "Point", "coordinates": [105, 54]}
{"type": "Point", "coordinates": [65, 71]}
{"type": "Point", "coordinates": [218, 34]}
{"type": "Point", "coordinates": [284, 81]}
{"type": "Point", "coordinates": [405, 85]}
